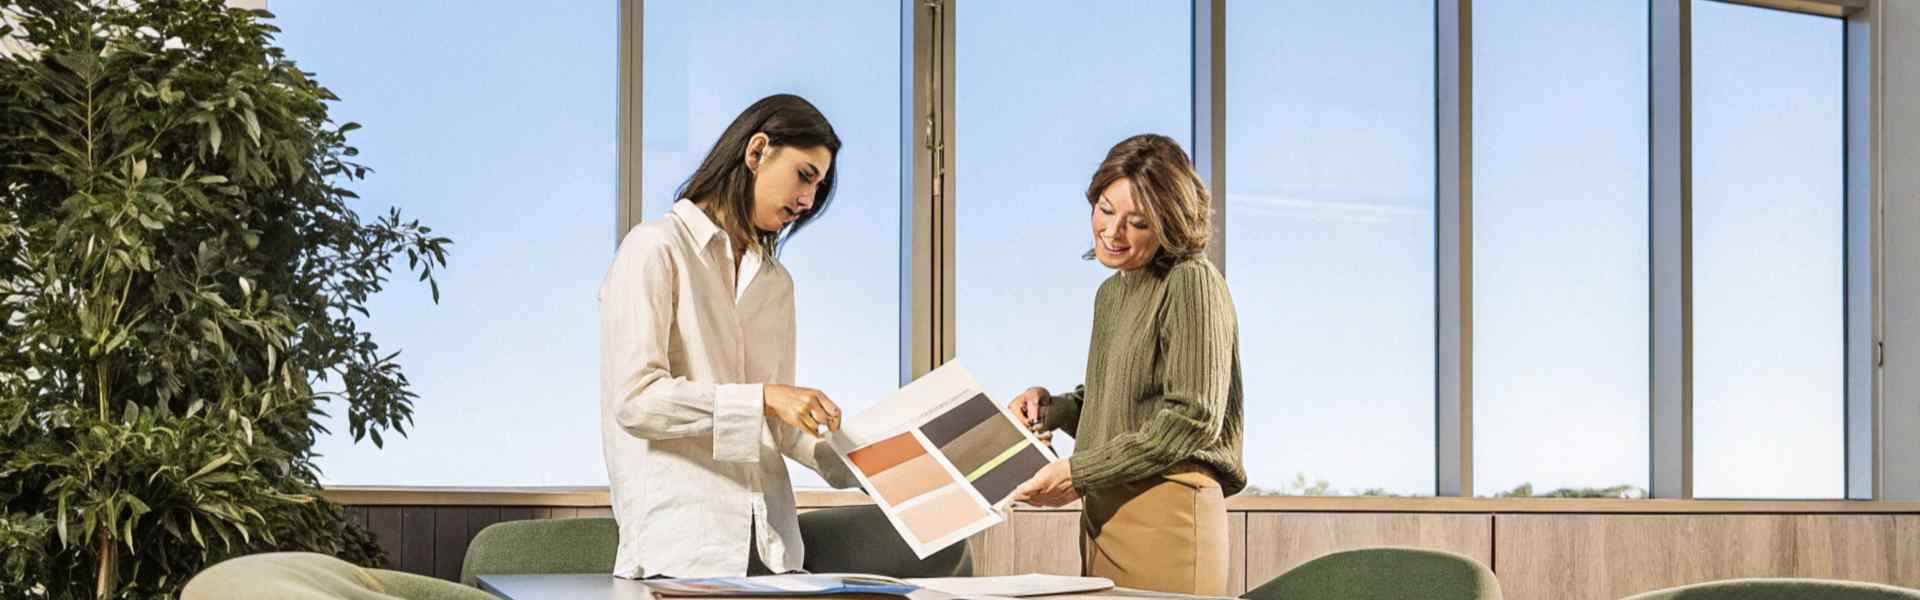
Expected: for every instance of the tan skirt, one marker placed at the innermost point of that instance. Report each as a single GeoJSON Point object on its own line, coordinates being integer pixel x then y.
{"type": "Point", "coordinates": [1166, 534]}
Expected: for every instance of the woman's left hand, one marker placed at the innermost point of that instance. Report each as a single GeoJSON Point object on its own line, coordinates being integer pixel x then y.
{"type": "Point", "coordinates": [1052, 486]}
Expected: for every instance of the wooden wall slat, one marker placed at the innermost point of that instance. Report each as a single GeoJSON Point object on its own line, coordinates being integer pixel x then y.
{"type": "Point", "coordinates": [450, 537]}
{"type": "Point", "coordinates": [356, 515]}
{"type": "Point", "coordinates": [1587, 557]}
{"type": "Point", "coordinates": [1046, 542]}
{"type": "Point", "coordinates": [1277, 542]}
{"type": "Point", "coordinates": [1237, 553]}
{"type": "Point", "coordinates": [479, 517]}
{"type": "Point", "coordinates": [1906, 551]}
{"type": "Point", "coordinates": [1538, 556]}
{"type": "Point", "coordinates": [992, 550]}
{"type": "Point", "coordinates": [597, 511]}
{"type": "Point", "coordinates": [416, 543]}
{"type": "Point", "coordinates": [384, 522]}
{"type": "Point", "coordinates": [515, 513]}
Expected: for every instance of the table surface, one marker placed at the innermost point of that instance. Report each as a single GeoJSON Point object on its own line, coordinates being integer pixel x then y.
{"type": "Point", "coordinates": [595, 586]}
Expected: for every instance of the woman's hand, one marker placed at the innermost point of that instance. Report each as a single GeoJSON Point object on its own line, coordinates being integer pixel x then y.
{"type": "Point", "coordinates": [806, 409]}
{"type": "Point", "coordinates": [1052, 486]}
{"type": "Point", "coordinates": [1031, 407]}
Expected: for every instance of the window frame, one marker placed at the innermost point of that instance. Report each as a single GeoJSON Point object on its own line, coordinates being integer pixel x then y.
{"type": "Point", "coordinates": [927, 240]}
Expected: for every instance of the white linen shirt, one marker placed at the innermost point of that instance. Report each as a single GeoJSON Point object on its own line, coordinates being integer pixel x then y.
{"type": "Point", "coordinates": [693, 464]}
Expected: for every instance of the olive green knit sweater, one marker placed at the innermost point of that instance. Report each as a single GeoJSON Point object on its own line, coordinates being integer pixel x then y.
{"type": "Point", "coordinates": [1163, 380]}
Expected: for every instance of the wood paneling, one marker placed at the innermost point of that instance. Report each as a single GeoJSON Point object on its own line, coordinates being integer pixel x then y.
{"type": "Point", "coordinates": [1277, 542]}
{"type": "Point", "coordinates": [416, 539]}
{"type": "Point", "coordinates": [479, 517]}
{"type": "Point", "coordinates": [596, 497]}
{"type": "Point", "coordinates": [992, 550]}
{"type": "Point", "coordinates": [1537, 556]}
{"type": "Point", "coordinates": [356, 515]}
{"type": "Point", "coordinates": [1591, 557]}
{"type": "Point", "coordinates": [1906, 551]}
{"type": "Point", "coordinates": [384, 522]}
{"type": "Point", "coordinates": [450, 537]}
{"type": "Point", "coordinates": [1046, 542]}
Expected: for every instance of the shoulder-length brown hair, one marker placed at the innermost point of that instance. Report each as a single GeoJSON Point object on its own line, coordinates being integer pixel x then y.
{"type": "Point", "coordinates": [1168, 190]}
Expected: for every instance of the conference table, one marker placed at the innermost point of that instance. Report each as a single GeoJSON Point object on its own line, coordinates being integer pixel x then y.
{"type": "Point", "coordinates": [598, 586]}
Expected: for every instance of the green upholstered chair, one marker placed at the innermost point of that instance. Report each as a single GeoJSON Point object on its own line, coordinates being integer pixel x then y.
{"type": "Point", "coordinates": [1781, 589]}
{"type": "Point", "coordinates": [310, 576]}
{"type": "Point", "coordinates": [859, 539]}
{"type": "Point", "coordinates": [1383, 574]}
{"type": "Point", "coordinates": [850, 539]}
{"type": "Point", "coordinates": [540, 546]}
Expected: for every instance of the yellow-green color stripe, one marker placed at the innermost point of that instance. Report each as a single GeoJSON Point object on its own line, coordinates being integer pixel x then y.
{"type": "Point", "coordinates": [1003, 457]}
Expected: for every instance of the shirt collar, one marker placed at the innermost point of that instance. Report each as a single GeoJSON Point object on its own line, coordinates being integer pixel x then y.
{"type": "Point", "coordinates": [697, 222]}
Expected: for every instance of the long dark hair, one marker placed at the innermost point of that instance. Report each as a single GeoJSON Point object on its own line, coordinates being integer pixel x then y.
{"type": "Point", "coordinates": [723, 179]}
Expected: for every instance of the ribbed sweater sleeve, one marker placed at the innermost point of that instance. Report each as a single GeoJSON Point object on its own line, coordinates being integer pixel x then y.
{"type": "Point", "coordinates": [1197, 332]}
{"type": "Point", "coordinates": [1063, 411]}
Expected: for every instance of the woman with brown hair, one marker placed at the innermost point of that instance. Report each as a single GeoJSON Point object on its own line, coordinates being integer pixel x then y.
{"type": "Point", "coordinates": [1157, 425]}
{"type": "Point", "coordinates": [697, 400]}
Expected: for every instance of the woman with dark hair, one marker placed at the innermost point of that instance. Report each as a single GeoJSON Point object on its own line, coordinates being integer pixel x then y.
{"type": "Point", "coordinates": [697, 402]}
{"type": "Point", "coordinates": [1157, 425]}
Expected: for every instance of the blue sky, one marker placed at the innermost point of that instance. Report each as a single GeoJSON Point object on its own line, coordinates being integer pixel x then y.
{"type": "Point", "coordinates": [495, 124]}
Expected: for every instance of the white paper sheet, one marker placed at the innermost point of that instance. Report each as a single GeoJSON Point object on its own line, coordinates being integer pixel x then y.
{"type": "Point", "coordinates": [939, 420]}
{"type": "Point", "coordinates": [1031, 584]}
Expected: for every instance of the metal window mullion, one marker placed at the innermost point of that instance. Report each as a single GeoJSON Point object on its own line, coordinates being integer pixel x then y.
{"type": "Point", "coordinates": [1670, 213]}
{"type": "Point", "coordinates": [1862, 275]}
{"type": "Point", "coordinates": [925, 257]}
{"type": "Point", "coordinates": [628, 195]}
{"type": "Point", "coordinates": [1453, 357]}
{"type": "Point", "coordinates": [943, 206]}
{"type": "Point", "coordinates": [1209, 124]}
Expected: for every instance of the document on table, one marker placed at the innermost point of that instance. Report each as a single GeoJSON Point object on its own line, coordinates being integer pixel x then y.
{"type": "Point", "coordinates": [1031, 584]}
{"type": "Point", "coordinates": [940, 457]}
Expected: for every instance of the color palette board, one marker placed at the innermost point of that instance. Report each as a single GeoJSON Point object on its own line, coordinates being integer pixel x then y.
{"type": "Point", "coordinates": [939, 456]}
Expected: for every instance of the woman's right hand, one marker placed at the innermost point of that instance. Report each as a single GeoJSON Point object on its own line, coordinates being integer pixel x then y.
{"type": "Point", "coordinates": [804, 408]}
{"type": "Point", "coordinates": [1031, 407]}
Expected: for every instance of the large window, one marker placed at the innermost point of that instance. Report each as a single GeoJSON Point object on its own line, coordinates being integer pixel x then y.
{"type": "Point", "coordinates": [1330, 241]}
{"type": "Point", "coordinates": [1768, 266]}
{"type": "Point", "coordinates": [704, 63]}
{"type": "Point", "coordinates": [499, 133]}
{"type": "Point", "coordinates": [1038, 106]}
{"type": "Point", "coordinates": [1560, 255]}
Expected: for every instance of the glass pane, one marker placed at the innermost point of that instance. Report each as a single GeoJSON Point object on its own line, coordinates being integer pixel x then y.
{"type": "Point", "coordinates": [498, 133]}
{"type": "Point", "coordinates": [699, 73]}
{"type": "Point", "coordinates": [1039, 105]}
{"type": "Point", "coordinates": [1768, 241]}
{"type": "Point", "coordinates": [1330, 242]}
{"type": "Point", "coordinates": [1560, 266]}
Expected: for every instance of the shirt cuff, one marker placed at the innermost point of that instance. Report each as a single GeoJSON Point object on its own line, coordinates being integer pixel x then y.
{"type": "Point", "coordinates": [737, 421]}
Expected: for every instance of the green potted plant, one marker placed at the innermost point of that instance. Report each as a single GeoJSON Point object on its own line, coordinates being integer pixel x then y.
{"type": "Point", "coordinates": [180, 269]}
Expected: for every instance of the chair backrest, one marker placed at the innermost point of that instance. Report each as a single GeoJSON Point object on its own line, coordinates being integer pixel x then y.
{"type": "Point", "coordinates": [1781, 589]}
{"type": "Point", "coordinates": [541, 546]}
{"type": "Point", "coordinates": [1383, 574]}
{"type": "Point", "coordinates": [860, 539]}
{"type": "Point", "coordinates": [310, 576]}
{"type": "Point", "coordinates": [848, 539]}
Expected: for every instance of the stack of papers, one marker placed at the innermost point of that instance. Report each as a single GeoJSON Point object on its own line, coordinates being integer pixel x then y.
{"type": "Point", "coordinates": [941, 588]}
{"type": "Point", "coordinates": [1031, 584]}
{"type": "Point", "coordinates": [779, 585]}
